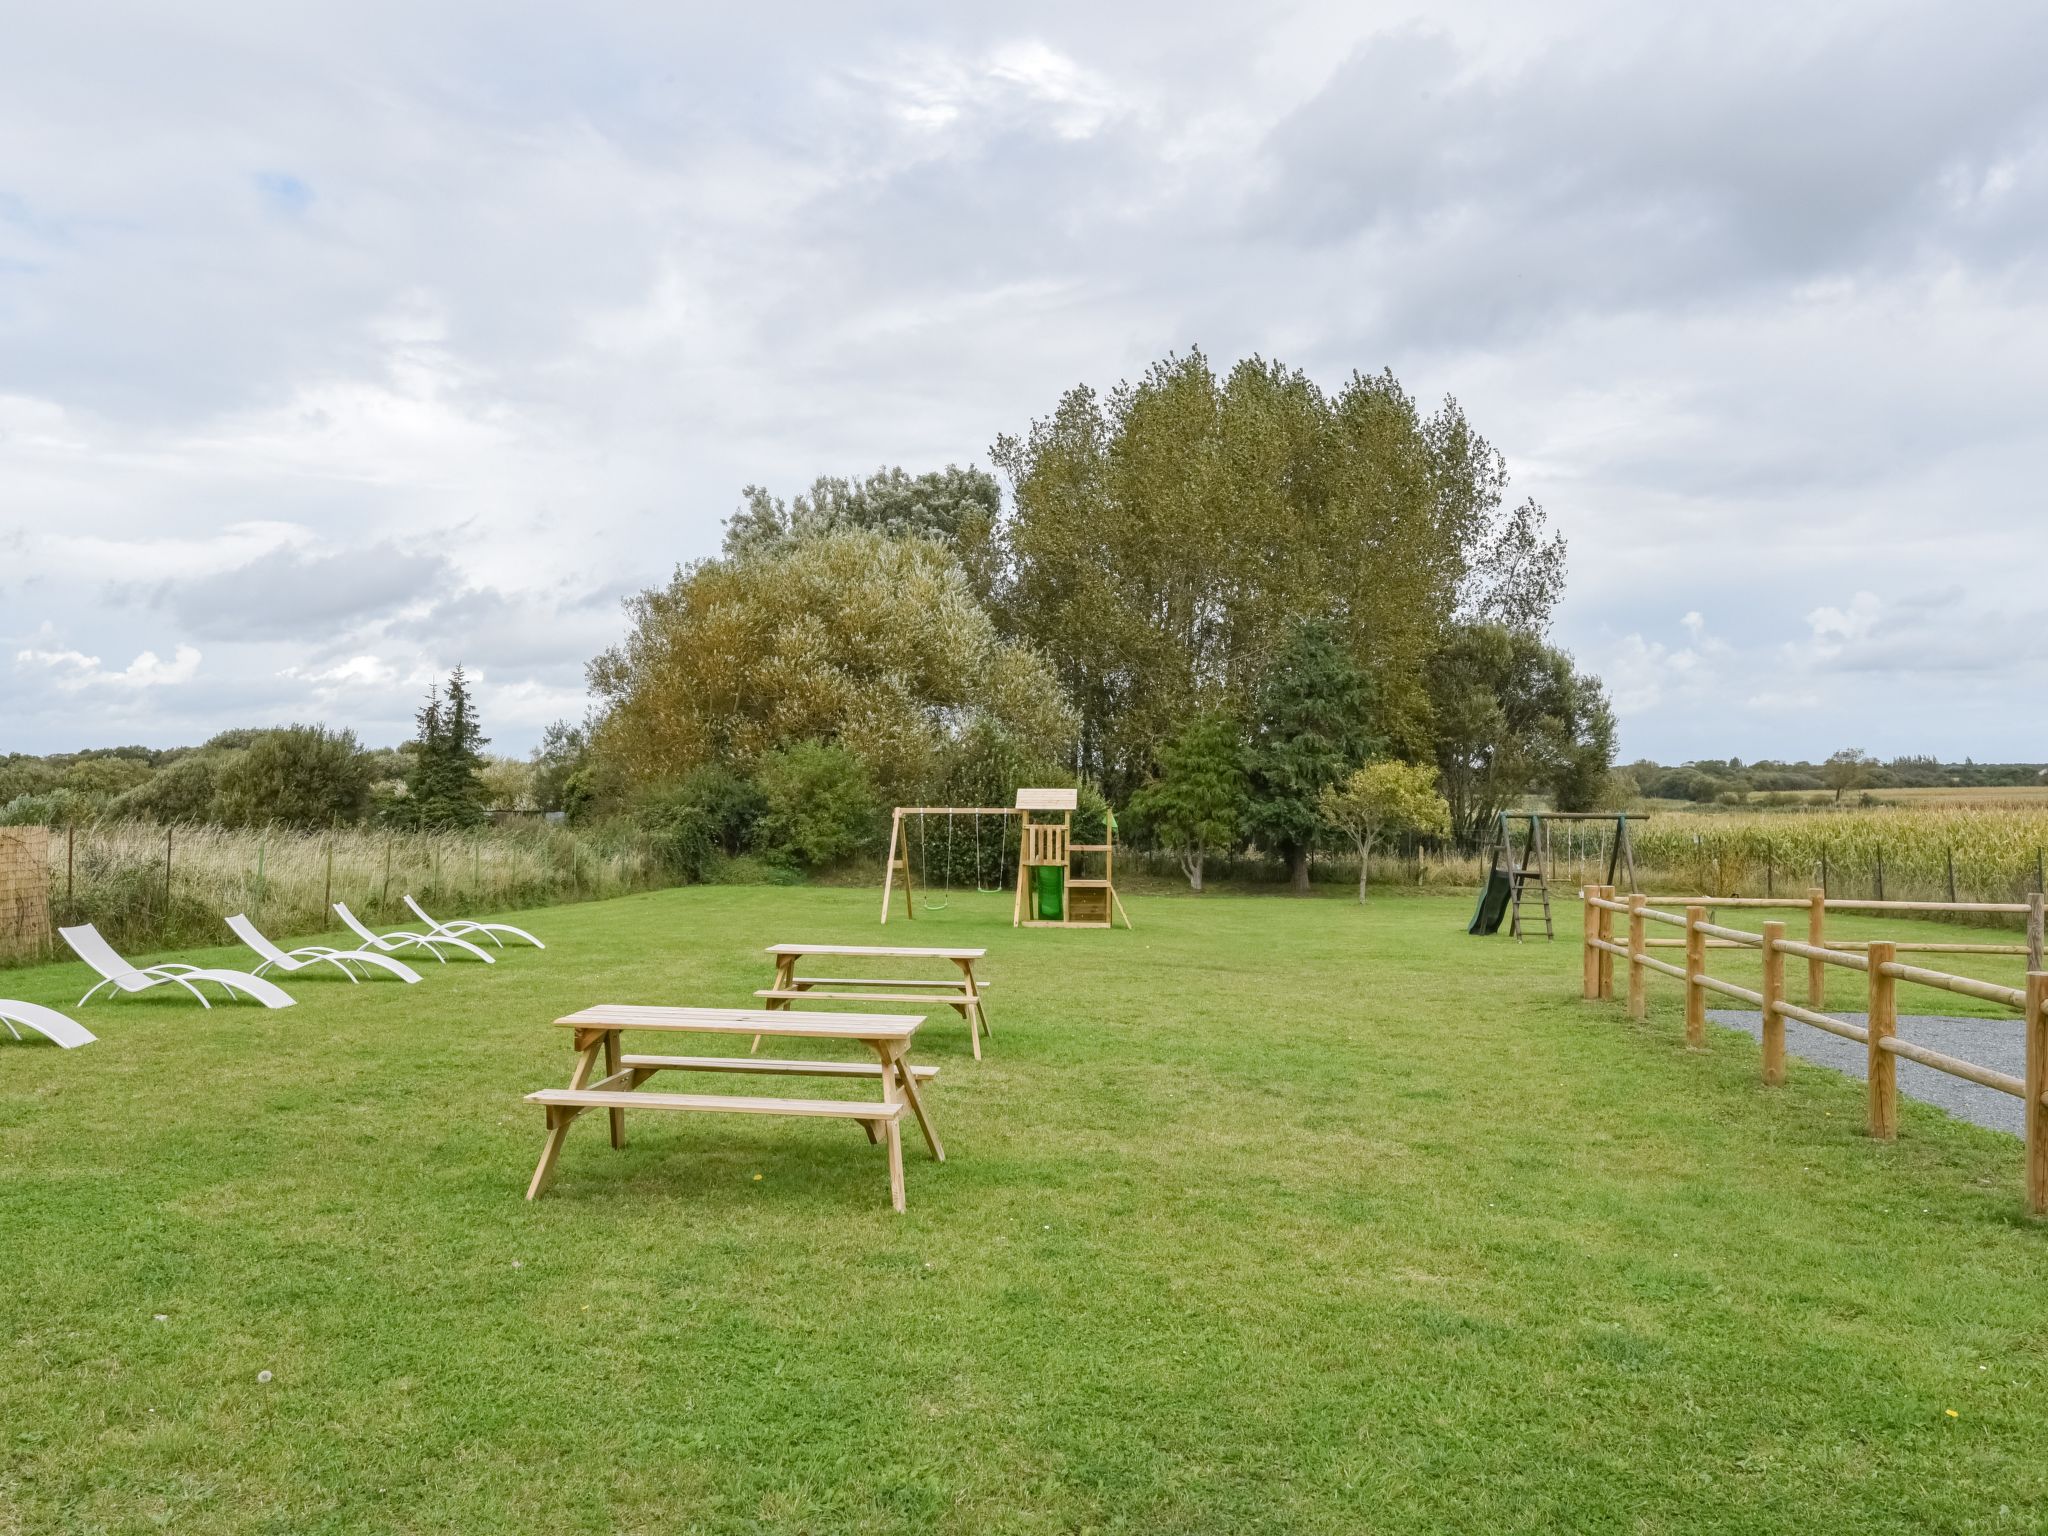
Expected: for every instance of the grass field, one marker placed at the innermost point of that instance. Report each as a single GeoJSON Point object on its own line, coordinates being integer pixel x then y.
{"type": "Point", "coordinates": [1272, 1215]}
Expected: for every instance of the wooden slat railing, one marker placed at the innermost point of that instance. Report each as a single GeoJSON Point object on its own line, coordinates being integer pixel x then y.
{"type": "Point", "coordinates": [1882, 972]}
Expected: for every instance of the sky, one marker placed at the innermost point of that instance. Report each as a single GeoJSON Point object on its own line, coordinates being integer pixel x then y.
{"type": "Point", "coordinates": [343, 344]}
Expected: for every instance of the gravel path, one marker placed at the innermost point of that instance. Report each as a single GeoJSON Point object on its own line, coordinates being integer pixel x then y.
{"type": "Point", "coordinates": [1994, 1043]}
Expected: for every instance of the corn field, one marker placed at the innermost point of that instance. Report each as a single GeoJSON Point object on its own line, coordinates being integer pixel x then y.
{"type": "Point", "coordinates": [149, 886]}
{"type": "Point", "coordinates": [1948, 852]}
{"type": "Point", "coordinates": [1944, 853]}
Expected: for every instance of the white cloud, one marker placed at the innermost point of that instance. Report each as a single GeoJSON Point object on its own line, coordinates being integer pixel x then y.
{"type": "Point", "coordinates": [551, 289]}
{"type": "Point", "coordinates": [74, 671]}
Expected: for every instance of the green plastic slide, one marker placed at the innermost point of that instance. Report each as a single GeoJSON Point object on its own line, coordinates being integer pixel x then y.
{"type": "Point", "coordinates": [1046, 880]}
{"type": "Point", "coordinates": [1493, 903]}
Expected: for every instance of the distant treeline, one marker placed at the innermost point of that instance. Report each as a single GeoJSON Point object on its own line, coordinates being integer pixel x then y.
{"type": "Point", "coordinates": [1733, 782]}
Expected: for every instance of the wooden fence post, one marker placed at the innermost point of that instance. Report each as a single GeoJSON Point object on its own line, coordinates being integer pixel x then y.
{"type": "Point", "coordinates": [2037, 1085]}
{"type": "Point", "coordinates": [1606, 937]}
{"type": "Point", "coordinates": [1816, 935]}
{"type": "Point", "coordinates": [1695, 967]}
{"type": "Point", "coordinates": [1774, 994]}
{"type": "Point", "coordinates": [1882, 1067]}
{"type": "Point", "coordinates": [2035, 930]}
{"type": "Point", "coordinates": [1589, 981]}
{"type": "Point", "coordinates": [1638, 973]}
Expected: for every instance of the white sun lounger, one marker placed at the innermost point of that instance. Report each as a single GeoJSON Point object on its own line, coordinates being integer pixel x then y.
{"type": "Point", "coordinates": [400, 938]}
{"type": "Point", "coordinates": [86, 943]}
{"type": "Point", "coordinates": [44, 1021]}
{"type": "Point", "coordinates": [462, 927]}
{"type": "Point", "coordinates": [309, 955]}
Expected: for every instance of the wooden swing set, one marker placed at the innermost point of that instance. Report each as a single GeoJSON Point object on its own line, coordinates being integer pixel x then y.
{"type": "Point", "coordinates": [1049, 894]}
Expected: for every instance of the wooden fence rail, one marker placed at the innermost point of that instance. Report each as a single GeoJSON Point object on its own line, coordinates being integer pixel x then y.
{"type": "Point", "coordinates": [1882, 970]}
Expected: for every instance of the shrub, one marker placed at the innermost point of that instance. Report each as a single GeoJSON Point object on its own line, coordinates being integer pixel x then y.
{"type": "Point", "coordinates": [303, 776]}
{"type": "Point", "coordinates": [819, 805]}
{"type": "Point", "coordinates": [706, 816]}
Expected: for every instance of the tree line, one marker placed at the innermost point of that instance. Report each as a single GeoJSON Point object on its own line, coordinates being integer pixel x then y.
{"type": "Point", "coordinates": [1253, 614]}
{"type": "Point", "coordinates": [1211, 600]}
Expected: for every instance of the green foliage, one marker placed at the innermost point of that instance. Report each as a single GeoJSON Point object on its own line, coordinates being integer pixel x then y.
{"type": "Point", "coordinates": [1313, 726]}
{"type": "Point", "coordinates": [508, 784]}
{"type": "Point", "coordinates": [707, 815]}
{"type": "Point", "coordinates": [101, 778]}
{"type": "Point", "coordinates": [951, 506]}
{"type": "Point", "coordinates": [51, 808]}
{"type": "Point", "coordinates": [563, 749]}
{"type": "Point", "coordinates": [1384, 798]}
{"type": "Point", "coordinates": [1199, 800]}
{"type": "Point", "coordinates": [302, 776]}
{"type": "Point", "coordinates": [818, 805]}
{"type": "Point", "coordinates": [21, 775]}
{"type": "Point", "coordinates": [1850, 768]}
{"type": "Point", "coordinates": [1513, 716]}
{"type": "Point", "coordinates": [443, 789]}
{"type": "Point", "coordinates": [183, 791]}
{"type": "Point", "coordinates": [1168, 539]}
{"type": "Point", "coordinates": [848, 637]}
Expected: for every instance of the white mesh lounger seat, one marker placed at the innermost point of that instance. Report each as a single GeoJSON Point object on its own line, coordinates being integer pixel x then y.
{"type": "Point", "coordinates": [401, 938]}
{"type": "Point", "coordinates": [44, 1021]}
{"type": "Point", "coordinates": [86, 943]}
{"type": "Point", "coordinates": [462, 927]}
{"type": "Point", "coordinates": [309, 955]}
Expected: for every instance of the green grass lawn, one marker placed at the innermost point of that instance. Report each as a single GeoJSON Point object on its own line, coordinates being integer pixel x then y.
{"type": "Point", "coordinates": [1272, 1215]}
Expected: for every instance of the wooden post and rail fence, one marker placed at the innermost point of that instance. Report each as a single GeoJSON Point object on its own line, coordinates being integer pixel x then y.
{"type": "Point", "coordinates": [1883, 971]}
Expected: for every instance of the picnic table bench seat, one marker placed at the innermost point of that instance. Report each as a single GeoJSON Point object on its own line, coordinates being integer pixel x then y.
{"type": "Point", "coordinates": [719, 1103]}
{"type": "Point", "coordinates": [766, 1066]}
{"type": "Point", "coordinates": [811, 994]}
{"type": "Point", "coordinates": [961, 992]}
{"type": "Point", "coordinates": [944, 983]}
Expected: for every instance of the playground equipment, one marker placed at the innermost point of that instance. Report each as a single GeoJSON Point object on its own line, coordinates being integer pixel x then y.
{"type": "Point", "coordinates": [1509, 876]}
{"type": "Point", "coordinates": [1049, 891]}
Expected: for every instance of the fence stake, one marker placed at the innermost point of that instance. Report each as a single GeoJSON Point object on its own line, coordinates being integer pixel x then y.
{"type": "Point", "coordinates": [1638, 1001]}
{"type": "Point", "coordinates": [70, 845]}
{"type": "Point", "coordinates": [1880, 874]}
{"type": "Point", "coordinates": [167, 874]}
{"type": "Point", "coordinates": [327, 902]}
{"type": "Point", "coordinates": [1589, 980]}
{"type": "Point", "coordinates": [1774, 994]}
{"type": "Point", "coordinates": [1823, 874]}
{"type": "Point", "coordinates": [2037, 1085]}
{"type": "Point", "coordinates": [1607, 955]}
{"type": "Point", "coordinates": [1695, 967]}
{"type": "Point", "coordinates": [1769, 873]}
{"type": "Point", "coordinates": [1882, 1067]}
{"type": "Point", "coordinates": [1816, 935]}
{"type": "Point", "coordinates": [1951, 875]}
{"type": "Point", "coordinates": [2035, 929]}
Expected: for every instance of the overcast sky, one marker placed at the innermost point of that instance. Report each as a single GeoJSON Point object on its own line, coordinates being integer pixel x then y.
{"type": "Point", "coordinates": [338, 349]}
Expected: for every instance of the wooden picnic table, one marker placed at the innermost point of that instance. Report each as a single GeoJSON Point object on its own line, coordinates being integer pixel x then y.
{"type": "Point", "coordinates": [961, 993]}
{"type": "Point", "coordinates": [597, 1035]}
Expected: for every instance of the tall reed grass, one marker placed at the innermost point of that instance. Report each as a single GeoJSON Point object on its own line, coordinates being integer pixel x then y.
{"type": "Point", "coordinates": [148, 886]}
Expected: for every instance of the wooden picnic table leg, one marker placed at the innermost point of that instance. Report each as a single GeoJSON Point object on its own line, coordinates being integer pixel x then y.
{"type": "Point", "coordinates": [980, 1019]}
{"type": "Point", "coordinates": [898, 1068]}
{"type": "Point", "coordinates": [611, 1069]}
{"type": "Point", "coordinates": [893, 1131]}
{"type": "Point", "coordinates": [561, 1115]}
{"type": "Point", "coordinates": [558, 1130]}
{"type": "Point", "coordinates": [785, 978]}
